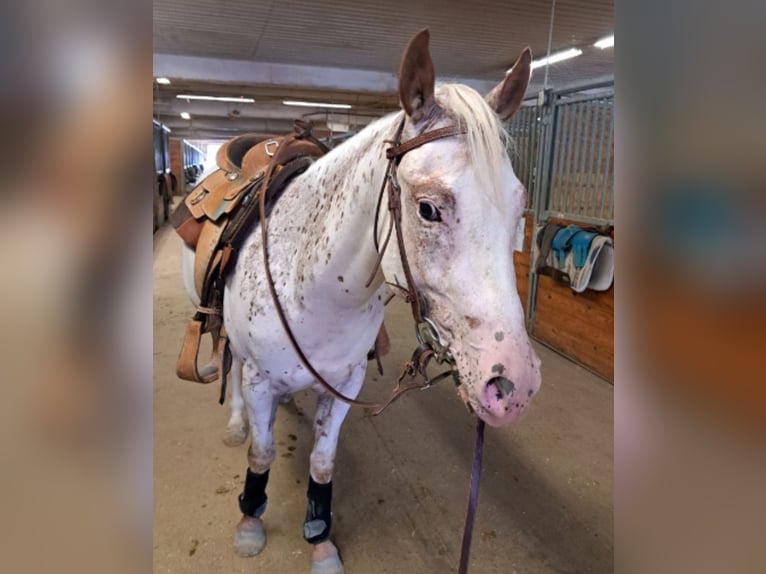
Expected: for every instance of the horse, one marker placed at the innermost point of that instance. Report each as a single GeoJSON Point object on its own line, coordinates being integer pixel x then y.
{"type": "Point", "coordinates": [460, 203]}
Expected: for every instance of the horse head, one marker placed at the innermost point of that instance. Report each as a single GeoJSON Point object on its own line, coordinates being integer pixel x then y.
{"type": "Point", "coordinates": [460, 205]}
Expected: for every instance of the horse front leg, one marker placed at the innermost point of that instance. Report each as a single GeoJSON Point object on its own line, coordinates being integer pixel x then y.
{"type": "Point", "coordinates": [330, 414]}
{"type": "Point", "coordinates": [236, 429]}
{"type": "Point", "coordinates": [250, 536]}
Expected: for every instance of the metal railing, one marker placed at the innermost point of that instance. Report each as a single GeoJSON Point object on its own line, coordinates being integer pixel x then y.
{"type": "Point", "coordinates": [563, 153]}
{"type": "Point", "coordinates": [580, 181]}
{"type": "Point", "coordinates": [524, 129]}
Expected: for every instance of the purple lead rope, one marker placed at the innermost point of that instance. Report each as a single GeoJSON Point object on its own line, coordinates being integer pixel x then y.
{"type": "Point", "coordinates": [473, 497]}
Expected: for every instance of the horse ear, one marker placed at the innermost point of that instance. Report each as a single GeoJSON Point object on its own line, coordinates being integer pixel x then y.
{"type": "Point", "coordinates": [505, 98]}
{"type": "Point", "coordinates": [416, 77]}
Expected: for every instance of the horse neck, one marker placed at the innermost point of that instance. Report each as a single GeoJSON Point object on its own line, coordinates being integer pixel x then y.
{"type": "Point", "coordinates": [346, 184]}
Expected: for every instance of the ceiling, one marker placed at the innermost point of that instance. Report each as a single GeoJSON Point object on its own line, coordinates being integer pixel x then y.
{"type": "Point", "coordinates": [348, 51]}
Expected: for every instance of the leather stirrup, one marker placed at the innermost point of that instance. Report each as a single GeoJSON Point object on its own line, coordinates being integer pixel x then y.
{"type": "Point", "coordinates": [187, 366]}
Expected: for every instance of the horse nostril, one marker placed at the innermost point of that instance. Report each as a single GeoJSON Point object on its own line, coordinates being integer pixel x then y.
{"type": "Point", "coordinates": [504, 387]}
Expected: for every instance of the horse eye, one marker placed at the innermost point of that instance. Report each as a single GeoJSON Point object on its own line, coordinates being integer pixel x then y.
{"type": "Point", "coordinates": [429, 212]}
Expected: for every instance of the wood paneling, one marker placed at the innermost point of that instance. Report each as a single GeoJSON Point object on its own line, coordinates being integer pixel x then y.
{"type": "Point", "coordinates": [580, 325]}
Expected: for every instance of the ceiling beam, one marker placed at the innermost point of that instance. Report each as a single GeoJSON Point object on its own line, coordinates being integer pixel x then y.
{"type": "Point", "coordinates": [174, 107]}
{"type": "Point", "coordinates": [246, 72]}
{"type": "Point", "coordinates": [240, 125]}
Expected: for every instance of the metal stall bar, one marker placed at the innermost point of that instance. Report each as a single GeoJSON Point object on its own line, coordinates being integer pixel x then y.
{"type": "Point", "coordinates": [515, 129]}
{"type": "Point", "coordinates": [531, 124]}
{"type": "Point", "coordinates": [572, 190]}
{"type": "Point", "coordinates": [558, 160]}
{"type": "Point", "coordinates": [548, 126]}
{"type": "Point", "coordinates": [555, 179]}
{"type": "Point", "coordinates": [608, 193]}
{"type": "Point", "coordinates": [567, 165]}
{"type": "Point", "coordinates": [580, 197]}
{"type": "Point", "coordinates": [597, 184]}
{"type": "Point", "coordinates": [598, 124]}
{"type": "Point", "coordinates": [522, 150]}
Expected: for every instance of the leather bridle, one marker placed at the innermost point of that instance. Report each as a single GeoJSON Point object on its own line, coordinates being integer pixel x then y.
{"type": "Point", "coordinates": [431, 344]}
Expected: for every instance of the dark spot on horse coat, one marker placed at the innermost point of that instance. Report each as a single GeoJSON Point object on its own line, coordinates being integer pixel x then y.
{"type": "Point", "coordinates": [499, 336]}
{"type": "Point", "coordinates": [498, 368]}
{"type": "Point", "coordinates": [530, 392]}
{"type": "Point", "coordinates": [473, 322]}
{"type": "Point", "coordinates": [340, 278]}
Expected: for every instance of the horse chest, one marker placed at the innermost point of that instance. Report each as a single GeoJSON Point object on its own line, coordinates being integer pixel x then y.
{"type": "Point", "coordinates": [334, 337]}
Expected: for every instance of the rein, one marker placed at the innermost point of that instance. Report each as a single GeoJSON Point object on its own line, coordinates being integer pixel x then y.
{"type": "Point", "coordinates": [428, 335]}
{"type": "Point", "coordinates": [431, 345]}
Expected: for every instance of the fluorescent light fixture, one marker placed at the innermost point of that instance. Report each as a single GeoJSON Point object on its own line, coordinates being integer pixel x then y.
{"type": "Point", "coordinates": [605, 42]}
{"type": "Point", "coordinates": [166, 128]}
{"type": "Point", "coordinates": [316, 104]}
{"type": "Point", "coordinates": [215, 98]}
{"type": "Point", "coordinates": [557, 57]}
{"type": "Point", "coordinates": [164, 81]}
{"type": "Point", "coordinates": [185, 115]}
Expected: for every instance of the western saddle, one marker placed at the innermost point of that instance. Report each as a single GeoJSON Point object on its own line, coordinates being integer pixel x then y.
{"type": "Point", "coordinates": [214, 220]}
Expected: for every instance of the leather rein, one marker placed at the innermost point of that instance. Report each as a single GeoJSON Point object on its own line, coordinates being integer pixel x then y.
{"type": "Point", "coordinates": [431, 345]}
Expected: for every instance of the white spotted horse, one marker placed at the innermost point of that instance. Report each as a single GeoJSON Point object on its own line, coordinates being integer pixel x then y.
{"type": "Point", "coordinates": [423, 200]}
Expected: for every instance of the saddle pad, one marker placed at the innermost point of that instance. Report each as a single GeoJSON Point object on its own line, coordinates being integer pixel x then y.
{"type": "Point", "coordinates": [598, 271]}
{"type": "Point", "coordinates": [561, 243]}
{"type": "Point", "coordinates": [580, 245]}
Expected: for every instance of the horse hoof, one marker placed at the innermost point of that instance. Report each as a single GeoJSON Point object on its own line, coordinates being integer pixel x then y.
{"type": "Point", "coordinates": [250, 537]}
{"type": "Point", "coordinates": [235, 436]}
{"type": "Point", "coordinates": [331, 565]}
{"type": "Point", "coordinates": [326, 559]}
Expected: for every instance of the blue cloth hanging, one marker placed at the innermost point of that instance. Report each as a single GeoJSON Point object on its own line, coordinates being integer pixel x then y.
{"type": "Point", "coordinates": [561, 243]}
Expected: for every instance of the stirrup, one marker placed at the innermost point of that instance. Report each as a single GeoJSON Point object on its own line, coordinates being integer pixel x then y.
{"type": "Point", "coordinates": [187, 363]}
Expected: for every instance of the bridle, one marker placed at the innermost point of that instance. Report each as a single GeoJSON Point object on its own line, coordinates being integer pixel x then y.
{"type": "Point", "coordinates": [431, 344]}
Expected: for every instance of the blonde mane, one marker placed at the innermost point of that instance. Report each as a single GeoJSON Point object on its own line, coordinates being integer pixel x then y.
{"type": "Point", "coordinates": [487, 138]}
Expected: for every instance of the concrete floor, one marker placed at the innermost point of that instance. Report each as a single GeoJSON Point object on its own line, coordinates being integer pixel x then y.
{"type": "Point", "coordinates": [401, 479]}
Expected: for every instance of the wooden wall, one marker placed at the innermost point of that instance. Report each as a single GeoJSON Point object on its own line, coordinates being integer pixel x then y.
{"type": "Point", "coordinates": [579, 325]}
